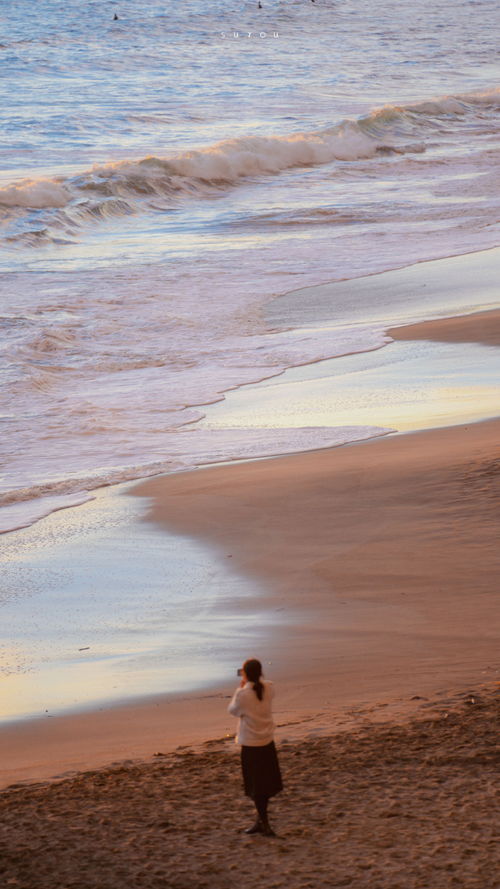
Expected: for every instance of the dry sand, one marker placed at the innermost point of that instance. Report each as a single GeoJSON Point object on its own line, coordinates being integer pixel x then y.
{"type": "Point", "coordinates": [385, 807]}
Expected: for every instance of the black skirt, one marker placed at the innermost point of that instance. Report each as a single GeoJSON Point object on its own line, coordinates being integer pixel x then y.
{"type": "Point", "coordinates": [261, 771]}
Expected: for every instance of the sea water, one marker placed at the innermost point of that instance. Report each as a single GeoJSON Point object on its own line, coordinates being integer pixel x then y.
{"type": "Point", "coordinates": [167, 173]}
{"type": "Point", "coordinates": [168, 169]}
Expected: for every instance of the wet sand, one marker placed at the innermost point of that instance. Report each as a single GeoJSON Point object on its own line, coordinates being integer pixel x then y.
{"type": "Point", "coordinates": [378, 569]}
{"type": "Point", "coordinates": [380, 558]}
{"type": "Point", "coordinates": [479, 327]}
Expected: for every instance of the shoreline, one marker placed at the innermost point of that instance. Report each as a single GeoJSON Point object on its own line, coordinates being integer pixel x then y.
{"type": "Point", "coordinates": [480, 261]}
{"type": "Point", "coordinates": [381, 650]}
{"type": "Point", "coordinates": [106, 733]}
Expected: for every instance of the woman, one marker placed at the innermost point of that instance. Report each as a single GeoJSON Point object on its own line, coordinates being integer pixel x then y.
{"type": "Point", "coordinates": [261, 772]}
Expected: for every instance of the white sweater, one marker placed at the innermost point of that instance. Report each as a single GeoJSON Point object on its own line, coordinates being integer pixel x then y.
{"type": "Point", "coordinates": [255, 726]}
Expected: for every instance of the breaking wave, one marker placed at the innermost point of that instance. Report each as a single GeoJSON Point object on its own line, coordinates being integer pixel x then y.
{"type": "Point", "coordinates": [159, 183]}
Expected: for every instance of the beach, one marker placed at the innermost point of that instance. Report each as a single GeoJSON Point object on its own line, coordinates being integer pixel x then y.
{"type": "Point", "coordinates": [381, 806]}
{"type": "Point", "coordinates": [377, 566]}
{"type": "Point", "coordinates": [249, 328]}
{"type": "Point", "coordinates": [412, 612]}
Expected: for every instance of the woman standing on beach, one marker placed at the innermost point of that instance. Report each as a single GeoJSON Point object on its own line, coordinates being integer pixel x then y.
{"type": "Point", "coordinates": [259, 761]}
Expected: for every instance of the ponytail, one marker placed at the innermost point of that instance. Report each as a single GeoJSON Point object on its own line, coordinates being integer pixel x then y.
{"type": "Point", "coordinates": [258, 689]}
{"type": "Point", "coordinates": [253, 672]}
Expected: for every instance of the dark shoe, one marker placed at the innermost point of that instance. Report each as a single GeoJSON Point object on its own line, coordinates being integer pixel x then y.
{"type": "Point", "coordinates": [256, 828]}
{"type": "Point", "coordinates": [267, 830]}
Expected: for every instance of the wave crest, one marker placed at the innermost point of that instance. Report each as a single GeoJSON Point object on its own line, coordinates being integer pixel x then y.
{"type": "Point", "coordinates": [158, 183]}
{"type": "Point", "coordinates": [35, 194]}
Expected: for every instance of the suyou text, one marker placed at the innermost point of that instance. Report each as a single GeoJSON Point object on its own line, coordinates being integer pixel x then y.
{"type": "Point", "coordinates": [232, 34]}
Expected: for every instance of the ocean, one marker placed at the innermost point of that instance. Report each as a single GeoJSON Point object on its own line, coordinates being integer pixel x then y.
{"type": "Point", "coordinates": [168, 170]}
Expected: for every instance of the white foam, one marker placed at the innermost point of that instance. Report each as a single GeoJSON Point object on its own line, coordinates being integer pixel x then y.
{"type": "Point", "coordinates": [37, 194]}
{"type": "Point", "coordinates": [106, 190]}
{"type": "Point", "coordinates": [250, 156]}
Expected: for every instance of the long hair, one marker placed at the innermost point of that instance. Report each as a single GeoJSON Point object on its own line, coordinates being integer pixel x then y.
{"type": "Point", "coordinates": [253, 672]}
